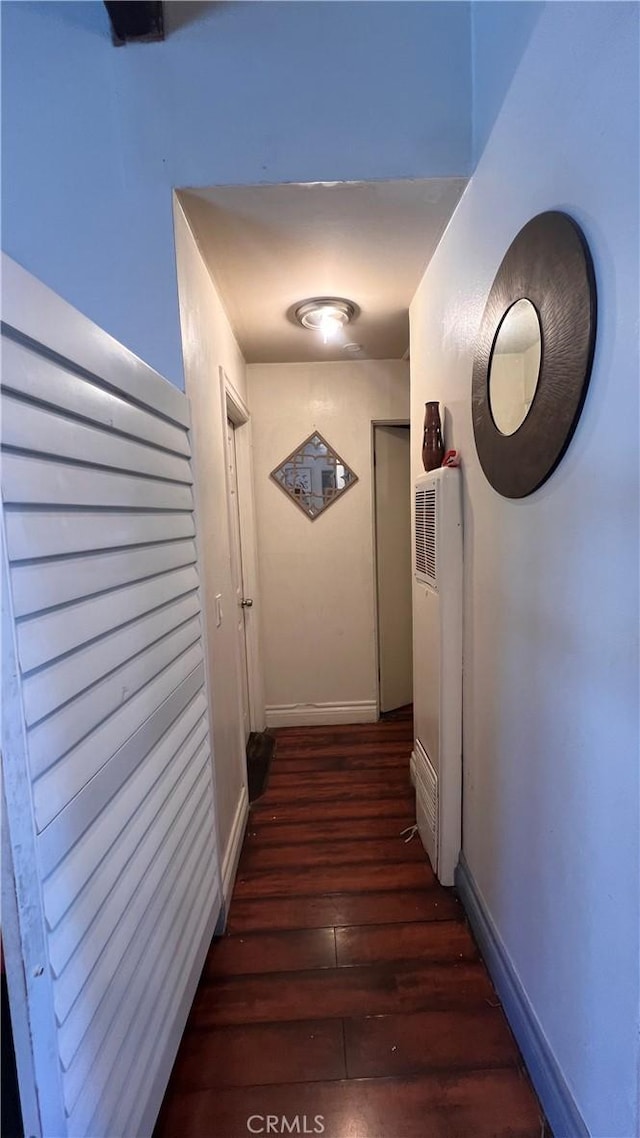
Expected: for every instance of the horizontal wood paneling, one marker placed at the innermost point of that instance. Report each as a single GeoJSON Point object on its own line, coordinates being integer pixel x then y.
{"type": "Point", "coordinates": [66, 727]}
{"type": "Point", "coordinates": [31, 310]}
{"type": "Point", "coordinates": [148, 864]}
{"type": "Point", "coordinates": [38, 533]}
{"type": "Point", "coordinates": [102, 561]}
{"type": "Point", "coordinates": [49, 688]}
{"type": "Point", "coordinates": [28, 427]}
{"type": "Point", "coordinates": [29, 373]}
{"type": "Point", "coordinates": [65, 894]}
{"type": "Point", "coordinates": [39, 481]}
{"type": "Point", "coordinates": [51, 634]}
{"type": "Point", "coordinates": [56, 582]}
{"type": "Point", "coordinates": [84, 809]}
{"type": "Point", "coordinates": [60, 783]}
{"type": "Point", "coordinates": [84, 1021]}
{"type": "Point", "coordinates": [117, 1113]}
{"type": "Point", "coordinates": [82, 1016]}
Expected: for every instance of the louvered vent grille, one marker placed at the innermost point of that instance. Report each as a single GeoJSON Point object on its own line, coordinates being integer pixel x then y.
{"type": "Point", "coordinates": [426, 524]}
{"type": "Point", "coordinates": [427, 803]}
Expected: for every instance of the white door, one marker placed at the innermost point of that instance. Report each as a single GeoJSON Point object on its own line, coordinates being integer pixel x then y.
{"type": "Point", "coordinates": [393, 558]}
{"type": "Point", "coordinates": [114, 885]}
{"type": "Point", "coordinates": [237, 574]}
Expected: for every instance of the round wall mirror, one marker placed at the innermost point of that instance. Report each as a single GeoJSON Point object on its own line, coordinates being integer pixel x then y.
{"type": "Point", "coordinates": [533, 354]}
{"type": "Point", "coordinates": [514, 368]}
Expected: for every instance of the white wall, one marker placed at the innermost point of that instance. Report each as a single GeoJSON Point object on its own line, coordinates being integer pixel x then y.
{"type": "Point", "coordinates": [94, 138]}
{"type": "Point", "coordinates": [208, 345]}
{"type": "Point", "coordinates": [551, 581]}
{"type": "Point", "coordinates": [317, 578]}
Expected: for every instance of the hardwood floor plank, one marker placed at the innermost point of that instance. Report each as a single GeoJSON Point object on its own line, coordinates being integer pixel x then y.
{"type": "Point", "coordinates": [366, 742]}
{"type": "Point", "coordinates": [348, 790]}
{"type": "Point", "coordinates": [259, 858]}
{"type": "Point", "coordinates": [367, 735]}
{"type": "Point", "coordinates": [258, 1054]}
{"type": "Point", "coordinates": [479, 1104]}
{"type": "Point", "coordinates": [427, 1041]}
{"type": "Point", "coordinates": [398, 805]}
{"type": "Point", "coordinates": [341, 992]}
{"type": "Point", "coordinates": [299, 912]}
{"type": "Point", "coordinates": [296, 833]}
{"type": "Point", "coordinates": [338, 760]}
{"type": "Point", "coordinates": [335, 879]}
{"type": "Point", "coordinates": [383, 778]}
{"type": "Point", "coordinates": [337, 733]}
{"type": "Point", "coordinates": [271, 952]}
{"type": "Point", "coordinates": [424, 941]}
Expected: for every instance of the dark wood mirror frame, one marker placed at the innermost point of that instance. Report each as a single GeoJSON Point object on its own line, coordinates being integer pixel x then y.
{"type": "Point", "coordinates": [548, 263]}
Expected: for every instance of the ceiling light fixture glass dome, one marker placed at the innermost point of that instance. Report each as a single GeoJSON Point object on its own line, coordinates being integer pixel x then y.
{"type": "Point", "coordinates": [326, 315]}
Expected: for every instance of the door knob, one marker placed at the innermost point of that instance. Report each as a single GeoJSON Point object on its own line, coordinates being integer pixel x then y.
{"type": "Point", "coordinates": [246, 603]}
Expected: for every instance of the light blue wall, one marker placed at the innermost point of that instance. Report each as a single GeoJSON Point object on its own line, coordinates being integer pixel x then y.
{"type": "Point", "coordinates": [95, 138]}
{"type": "Point", "coordinates": [551, 792]}
{"type": "Point", "coordinates": [500, 33]}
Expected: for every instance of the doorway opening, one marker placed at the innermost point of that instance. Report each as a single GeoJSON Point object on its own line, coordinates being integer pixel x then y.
{"type": "Point", "coordinates": [268, 252]}
{"type": "Point", "coordinates": [392, 529]}
{"type": "Point", "coordinates": [392, 545]}
{"type": "Point", "coordinates": [256, 743]}
{"type": "Point", "coordinates": [243, 555]}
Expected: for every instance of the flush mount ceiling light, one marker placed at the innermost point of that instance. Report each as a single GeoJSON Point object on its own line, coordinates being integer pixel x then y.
{"type": "Point", "coordinates": [326, 315]}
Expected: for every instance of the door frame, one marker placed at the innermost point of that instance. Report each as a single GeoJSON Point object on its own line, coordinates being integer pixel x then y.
{"type": "Point", "coordinates": [235, 409]}
{"type": "Point", "coordinates": [374, 535]}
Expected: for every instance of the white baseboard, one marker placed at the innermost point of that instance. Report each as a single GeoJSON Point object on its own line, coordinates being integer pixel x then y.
{"type": "Point", "coordinates": [321, 714]}
{"type": "Point", "coordinates": [232, 853]}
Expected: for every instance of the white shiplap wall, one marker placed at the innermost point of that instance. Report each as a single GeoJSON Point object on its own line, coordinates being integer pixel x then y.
{"type": "Point", "coordinates": [108, 770]}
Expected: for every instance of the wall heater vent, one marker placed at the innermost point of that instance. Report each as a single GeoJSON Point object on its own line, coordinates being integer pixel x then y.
{"type": "Point", "coordinates": [426, 535]}
{"type": "Point", "coordinates": [437, 667]}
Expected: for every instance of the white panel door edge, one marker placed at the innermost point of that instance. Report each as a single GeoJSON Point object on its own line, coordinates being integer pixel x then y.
{"type": "Point", "coordinates": [137, 872]}
{"type": "Point", "coordinates": [24, 931]}
{"type": "Point", "coordinates": [235, 409]}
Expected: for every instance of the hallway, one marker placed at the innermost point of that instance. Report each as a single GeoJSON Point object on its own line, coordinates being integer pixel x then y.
{"type": "Point", "coordinates": [347, 985]}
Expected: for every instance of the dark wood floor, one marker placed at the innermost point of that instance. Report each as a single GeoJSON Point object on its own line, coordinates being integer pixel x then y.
{"type": "Point", "coordinates": [348, 985]}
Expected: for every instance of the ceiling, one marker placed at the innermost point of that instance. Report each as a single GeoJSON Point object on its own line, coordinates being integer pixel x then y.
{"type": "Point", "coordinates": [270, 247]}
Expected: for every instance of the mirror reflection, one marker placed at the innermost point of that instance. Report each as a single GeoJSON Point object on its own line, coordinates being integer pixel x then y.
{"type": "Point", "coordinates": [515, 366]}
{"type": "Point", "coordinates": [314, 475]}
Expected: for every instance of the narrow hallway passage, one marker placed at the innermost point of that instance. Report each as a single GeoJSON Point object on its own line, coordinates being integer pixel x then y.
{"type": "Point", "coordinates": [347, 992]}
